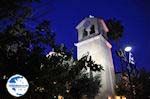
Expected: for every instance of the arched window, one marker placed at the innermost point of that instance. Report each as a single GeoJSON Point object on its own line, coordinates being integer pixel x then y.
{"type": "Point", "coordinates": [92, 29]}
{"type": "Point", "coordinates": [85, 33]}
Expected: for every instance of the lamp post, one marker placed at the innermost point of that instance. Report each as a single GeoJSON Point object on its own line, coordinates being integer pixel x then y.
{"type": "Point", "coordinates": [128, 57]}
{"type": "Point", "coordinates": [130, 61]}
{"type": "Point", "coordinates": [128, 66]}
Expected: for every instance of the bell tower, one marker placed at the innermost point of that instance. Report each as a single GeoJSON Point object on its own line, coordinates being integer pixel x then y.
{"type": "Point", "coordinates": [92, 38]}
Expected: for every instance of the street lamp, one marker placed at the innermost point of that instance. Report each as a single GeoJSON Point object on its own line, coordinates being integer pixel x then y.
{"type": "Point", "coordinates": [128, 48]}
{"type": "Point", "coordinates": [130, 61]}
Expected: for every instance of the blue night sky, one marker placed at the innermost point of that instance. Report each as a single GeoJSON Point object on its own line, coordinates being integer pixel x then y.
{"type": "Point", "coordinates": [134, 15]}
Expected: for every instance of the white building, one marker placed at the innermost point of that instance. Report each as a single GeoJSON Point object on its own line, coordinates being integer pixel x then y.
{"type": "Point", "coordinates": [92, 39]}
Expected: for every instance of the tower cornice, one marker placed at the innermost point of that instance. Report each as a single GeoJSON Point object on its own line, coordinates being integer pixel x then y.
{"type": "Point", "coordinates": [92, 39]}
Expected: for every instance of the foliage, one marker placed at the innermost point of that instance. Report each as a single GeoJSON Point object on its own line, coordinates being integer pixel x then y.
{"type": "Point", "coordinates": [116, 29]}
{"type": "Point", "coordinates": [15, 8]}
{"type": "Point", "coordinates": [23, 52]}
{"type": "Point", "coordinates": [140, 85]}
{"type": "Point", "coordinates": [122, 86]}
{"type": "Point", "coordinates": [80, 87]}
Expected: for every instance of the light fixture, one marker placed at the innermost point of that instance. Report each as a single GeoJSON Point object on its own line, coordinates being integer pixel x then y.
{"type": "Point", "coordinates": [128, 48]}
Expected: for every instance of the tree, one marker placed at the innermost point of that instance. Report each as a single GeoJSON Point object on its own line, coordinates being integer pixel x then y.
{"type": "Point", "coordinates": [85, 86]}
{"type": "Point", "coordinates": [123, 85]}
{"type": "Point", "coordinates": [23, 52]}
{"type": "Point", "coordinates": [15, 8]}
{"type": "Point", "coordinates": [116, 29]}
{"type": "Point", "coordinates": [140, 85]}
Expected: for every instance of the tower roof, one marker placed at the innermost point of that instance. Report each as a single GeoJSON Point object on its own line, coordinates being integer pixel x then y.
{"type": "Point", "coordinates": [100, 21]}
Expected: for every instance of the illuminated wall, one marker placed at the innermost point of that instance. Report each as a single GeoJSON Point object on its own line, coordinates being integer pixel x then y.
{"type": "Point", "coordinates": [100, 50]}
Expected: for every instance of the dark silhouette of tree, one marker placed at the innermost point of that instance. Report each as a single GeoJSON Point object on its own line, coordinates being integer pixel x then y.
{"type": "Point", "coordinates": [80, 87]}
{"type": "Point", "coordinates": [116, 29]}
{"type": "Point", "coordinates": [15, 8]}
{"type": "Point", "coordinates": [140, 85]}
{"type": "Point", "coordinates": [23, 52]}
{"type": "Point", "coordinates": [122, 86]}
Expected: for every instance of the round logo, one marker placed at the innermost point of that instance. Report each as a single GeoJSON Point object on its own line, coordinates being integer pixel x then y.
{"type": "Point", "coordinates": [17, 85]}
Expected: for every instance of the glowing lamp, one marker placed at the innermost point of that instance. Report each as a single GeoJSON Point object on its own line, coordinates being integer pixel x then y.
{"type": "Point", "coordinates": [128, 48]}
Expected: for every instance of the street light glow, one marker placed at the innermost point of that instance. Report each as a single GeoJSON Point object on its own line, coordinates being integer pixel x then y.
{"type": "Point", "coordinates": [128, 48]}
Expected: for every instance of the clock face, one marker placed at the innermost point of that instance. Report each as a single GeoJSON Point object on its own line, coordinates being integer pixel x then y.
{"type": "Point", "coordinates": [86, 24]}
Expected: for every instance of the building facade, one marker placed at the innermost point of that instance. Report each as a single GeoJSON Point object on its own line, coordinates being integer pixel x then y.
{"type": "Point", "coordinates": [92, 39]}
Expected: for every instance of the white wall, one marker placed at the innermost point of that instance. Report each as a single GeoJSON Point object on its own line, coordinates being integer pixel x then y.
{"type": "Point", "coordinates": [101, 53]}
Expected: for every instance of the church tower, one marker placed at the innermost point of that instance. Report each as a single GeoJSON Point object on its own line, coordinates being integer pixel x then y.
{"type": "Point", "coordinates": [92, 39]}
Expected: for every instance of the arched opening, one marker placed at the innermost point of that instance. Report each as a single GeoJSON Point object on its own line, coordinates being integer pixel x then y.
{"type": "Point", "coordinates": [92, 29]}
{"type": "Point", "coordinates": [85, 33]}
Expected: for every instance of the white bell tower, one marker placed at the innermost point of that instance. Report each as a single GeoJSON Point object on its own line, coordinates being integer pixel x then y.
{"type": "Point", "coordinates": [92, 39]}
